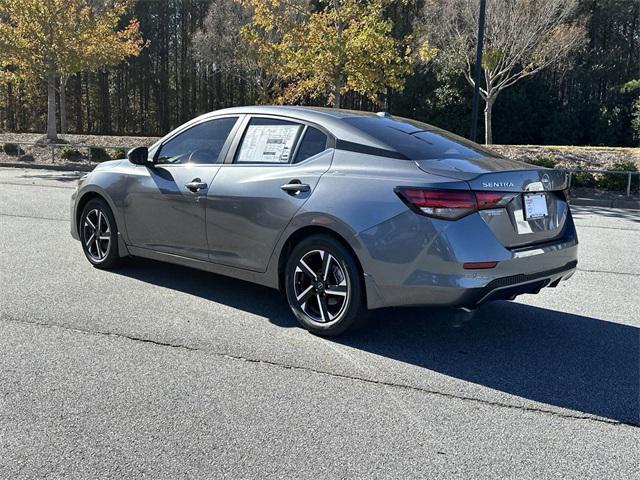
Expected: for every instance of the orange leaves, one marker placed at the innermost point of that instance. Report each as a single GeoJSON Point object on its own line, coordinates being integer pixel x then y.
{"type": "Point", "coordinates": [67, 36]}
{"type": "Point", "coordinates": [342, 46]}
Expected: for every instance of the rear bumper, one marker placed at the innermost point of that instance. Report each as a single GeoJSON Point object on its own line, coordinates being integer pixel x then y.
{"type": "Point", "coordinates": [417, 261]}
{"type": "Point", "coordinates": [508, 288]}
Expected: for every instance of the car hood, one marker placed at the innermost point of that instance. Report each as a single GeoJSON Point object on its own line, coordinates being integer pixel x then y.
{"type": "Point", "coordinates": [108, 165]}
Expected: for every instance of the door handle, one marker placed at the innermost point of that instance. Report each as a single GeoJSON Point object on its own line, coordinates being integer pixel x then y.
{"type": "Point", "coordinates": [295, 186]}
{"type": "Point", "coordinates": [195, 185]}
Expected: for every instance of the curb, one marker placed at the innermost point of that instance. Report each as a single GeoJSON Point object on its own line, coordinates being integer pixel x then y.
{"type": "Point", "coordinates": [608, 203]}
{"type": "Point", "coordinates": [46, 166]}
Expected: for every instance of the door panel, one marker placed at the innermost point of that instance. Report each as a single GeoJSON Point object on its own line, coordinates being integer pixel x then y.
{"type": "Point", "coordinates": [162, 214]}
{"type": "Point", "coordinates": [247, 209]}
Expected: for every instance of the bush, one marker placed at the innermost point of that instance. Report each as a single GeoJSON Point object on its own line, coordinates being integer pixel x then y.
{"type": "Point", "coordinates": [583, 179]}
{"type": "Point", "coordinates": [618, 181]}
{"type": "Point", "coordinates": [11, 149]}
{"type": "Point", "coordinates": [70, 153]}
{"type": "Point", "coordinates": [118, 153]}
{"type": "Point", "coordinates": [547, 162]}
{"type": "Point", "coordinates": [99, 154]}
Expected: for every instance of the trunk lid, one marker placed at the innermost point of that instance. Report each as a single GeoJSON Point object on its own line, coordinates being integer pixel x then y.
{"type": "Point", "coordinates": [495, 174]}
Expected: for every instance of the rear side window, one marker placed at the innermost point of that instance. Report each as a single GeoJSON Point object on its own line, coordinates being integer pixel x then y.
{"type": "Point", "coordinates": [416, 143]}
{"type": "Point", "coordinates": [200, 144]}
{"type": "Point", "coordinates": [268, 140]}
{"type": "Point", "coordinates": [313, 142]}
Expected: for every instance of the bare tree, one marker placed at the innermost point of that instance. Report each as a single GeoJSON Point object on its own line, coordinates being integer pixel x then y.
{"type": "Point", "coordinates": [220, 43]}
{"type": "Point", "coordinates": [522, 37]}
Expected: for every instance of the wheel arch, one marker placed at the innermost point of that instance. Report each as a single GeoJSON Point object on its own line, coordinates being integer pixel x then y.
{"type": "Point", "coordinates": [83, 200]}
{"type": "Point", "coordinates": [94, 193]}
{"type": "Point", "coordinates": [304, 232]}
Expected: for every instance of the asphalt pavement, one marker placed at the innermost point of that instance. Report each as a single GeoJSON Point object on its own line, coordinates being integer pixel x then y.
{"type": "Point", "coordinates": [159, 371]}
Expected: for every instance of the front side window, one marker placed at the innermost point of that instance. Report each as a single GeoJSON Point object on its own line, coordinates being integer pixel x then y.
{"type": "Point", "coordinates": [268, 140]}
{"type": "Point", "coordinates": [201, 144]}
{"type": "Point", "coordinates": [313, 142]}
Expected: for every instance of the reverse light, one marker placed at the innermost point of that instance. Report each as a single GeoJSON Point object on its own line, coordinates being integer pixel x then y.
{"type": "Point", "coordinates": [451, 204]}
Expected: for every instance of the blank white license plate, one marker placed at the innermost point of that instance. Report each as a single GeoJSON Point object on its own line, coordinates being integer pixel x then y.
{"type": "Point", "coordinates": [535, 206]}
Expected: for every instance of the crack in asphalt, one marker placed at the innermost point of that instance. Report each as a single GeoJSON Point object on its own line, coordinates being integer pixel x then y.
{"type": "Point", "coordinates": [608, 271]}
{"type": "Point", "coordinates": [19, 184]}
{"type": "Point", "coordinates": [608, 228]}
{"type": "Point", "coordinates": [33, 217]}
{"type": "Point", "coordinates": [355, 378]}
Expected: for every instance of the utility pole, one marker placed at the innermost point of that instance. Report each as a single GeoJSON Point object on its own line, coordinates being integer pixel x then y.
{"type": "Point", "coordinates": [476, 76]}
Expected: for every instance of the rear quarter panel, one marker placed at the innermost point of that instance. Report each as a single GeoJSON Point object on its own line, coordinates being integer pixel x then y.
{"type": "Point", "coordinates": [355, 195]}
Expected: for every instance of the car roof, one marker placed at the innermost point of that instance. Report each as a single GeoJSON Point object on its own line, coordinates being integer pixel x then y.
{"type": "Point", "coordinates": [331, 119]}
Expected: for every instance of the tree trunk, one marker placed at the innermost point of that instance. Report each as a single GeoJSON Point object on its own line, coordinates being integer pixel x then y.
{"type": "Point", "coordinates": [488, 133]}
{"type": "Point", "coordinates": [11, 118]}
{"type": "Point", "coordinates": [63, 103]}
{"type": "Point", "coordinates": [337, 97]}
{"type": "Point", "coordinates": [52, 133]}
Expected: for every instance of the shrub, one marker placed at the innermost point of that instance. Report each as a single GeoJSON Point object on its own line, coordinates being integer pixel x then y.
{"type": "Point", "coordinates": [583, 179]}
{"type": "Point", "coordinates": [99, 154]}
{"type": "Point", "coordinates": [11, 149]}
{"type": "Point", "coordinates": [547, 162]}
{"type": "Point", "coordinates": [618, 181]}
{"type": "Point", "coordinates": [70, 153]}
{"type": "Point", "coordinates": [118, 153]}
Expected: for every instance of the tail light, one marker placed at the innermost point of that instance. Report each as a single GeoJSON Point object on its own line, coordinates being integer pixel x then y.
{"type": "Point", "coordinates": [451, 204]}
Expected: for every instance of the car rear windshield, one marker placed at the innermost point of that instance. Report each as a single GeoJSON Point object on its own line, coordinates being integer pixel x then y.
{"type": "Point", "coordinates": [418, 141]}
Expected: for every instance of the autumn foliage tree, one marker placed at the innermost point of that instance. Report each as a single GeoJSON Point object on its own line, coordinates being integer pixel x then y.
{"type": "Point", "coordinates": [46, 41]}
{"type": "Point", "coordinates": [327, 50]}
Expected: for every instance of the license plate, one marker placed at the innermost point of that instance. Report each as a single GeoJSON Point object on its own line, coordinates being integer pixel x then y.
{"type": "Point", "coordinates": [535, 206]}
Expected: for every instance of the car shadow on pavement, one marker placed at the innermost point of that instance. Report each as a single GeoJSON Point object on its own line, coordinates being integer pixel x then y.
{"type": "Point", "coordinates": [557, 358]}
{"type": "Point", "coordinates": [570, 361]}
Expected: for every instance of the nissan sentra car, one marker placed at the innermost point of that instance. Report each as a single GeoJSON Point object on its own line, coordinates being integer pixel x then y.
{"type": "Point", "coordinates": [342, 211]}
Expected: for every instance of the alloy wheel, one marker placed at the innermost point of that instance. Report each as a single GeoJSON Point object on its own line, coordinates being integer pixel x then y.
{"type": "Point", "coordinates": [96, 235]}
{"type": "Point", "coordinates": [321, 286]}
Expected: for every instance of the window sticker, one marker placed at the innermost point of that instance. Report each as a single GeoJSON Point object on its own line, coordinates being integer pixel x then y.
{"type": "Point", "coordinates": [268, 143]}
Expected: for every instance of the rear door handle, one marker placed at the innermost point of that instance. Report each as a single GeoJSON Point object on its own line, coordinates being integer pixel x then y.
{"type": "Point", "coordinates": [294, 186]}
{"type": "Point", "coordinates": [195, 185]}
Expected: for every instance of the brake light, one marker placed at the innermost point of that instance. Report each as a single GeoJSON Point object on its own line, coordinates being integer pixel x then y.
{"type": "Point", "coordinates": [451, 204]}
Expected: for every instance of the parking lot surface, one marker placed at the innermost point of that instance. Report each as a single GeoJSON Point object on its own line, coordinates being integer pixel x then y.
{"type": "Point", "coordinates": [159, 371]}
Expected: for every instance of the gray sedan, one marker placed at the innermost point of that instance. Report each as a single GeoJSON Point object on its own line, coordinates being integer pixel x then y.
{"type": "Point", "coordinates": [341, 211]}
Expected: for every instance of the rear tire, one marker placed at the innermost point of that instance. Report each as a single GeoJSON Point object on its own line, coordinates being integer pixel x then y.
{"type": "Point", "coordinates": [99, 234]}
{"type": "Point", "coordinates": [324, 286]}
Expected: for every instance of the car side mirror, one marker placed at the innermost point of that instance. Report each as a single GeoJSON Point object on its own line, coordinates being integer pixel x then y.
{"type": "Point", "coordinates": [139, 156]}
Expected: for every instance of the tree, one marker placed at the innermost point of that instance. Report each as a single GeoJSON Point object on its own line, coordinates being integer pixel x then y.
{"type": "Point", "coordinates": [56, 38]}
{"type": "Point", "coordinates": [522, 37]}
{"type": "Point", "coordinates": [220, 43]}
{"type": "Point", "coordinates": [341, 46]}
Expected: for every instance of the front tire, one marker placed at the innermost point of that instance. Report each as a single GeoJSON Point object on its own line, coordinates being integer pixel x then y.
{"type": "Point", "coordinates": [324, 286]}
{"type": "Point", "coordinates": [99, 234]}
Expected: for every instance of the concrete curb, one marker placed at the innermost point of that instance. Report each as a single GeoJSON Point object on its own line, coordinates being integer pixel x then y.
{"type": "Point", "coordinates": [582, 202]}
{"type": "Point", "coordinates": [606, 203]}
{"type": "Point", "coordinates": [46, 166]}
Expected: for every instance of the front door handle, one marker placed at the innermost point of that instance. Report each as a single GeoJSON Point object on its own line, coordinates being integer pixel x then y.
{"type": "Point", "coordinates": [294, 186]}
{"type": "Point", "coordinates": [195, 185]}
